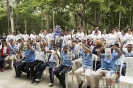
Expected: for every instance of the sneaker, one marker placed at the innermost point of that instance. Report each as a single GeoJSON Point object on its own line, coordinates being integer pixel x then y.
{"type": "Point", "coordinates": [80, 85]}
{"type": "Point", "coordinates": [51, 84]}
{"type": "Point", "coordinates": [2, 69]}
{"type": "Point", "coordinates": [38, 80]}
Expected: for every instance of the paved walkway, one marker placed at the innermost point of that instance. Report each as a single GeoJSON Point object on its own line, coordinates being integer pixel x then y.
{"type": "Point", "coordinates": [8, 80]}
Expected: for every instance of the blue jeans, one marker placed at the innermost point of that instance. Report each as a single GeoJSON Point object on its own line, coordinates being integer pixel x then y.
{"type": "Point", "coordinates": [51, 65]}
{"type": "Point", "coordinates": [123, 69]}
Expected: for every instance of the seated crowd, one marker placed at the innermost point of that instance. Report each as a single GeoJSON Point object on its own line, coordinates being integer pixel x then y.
{"type": "Point", "coordinates": [33, 54]}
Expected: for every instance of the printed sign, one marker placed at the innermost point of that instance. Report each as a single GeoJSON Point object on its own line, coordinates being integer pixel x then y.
{"type": "Point", "coordinates": [108, 53]}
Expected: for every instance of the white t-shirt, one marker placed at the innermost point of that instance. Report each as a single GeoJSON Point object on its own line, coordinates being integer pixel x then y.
{"type": "Point", "coordinates": [80, 36]}
{"type": "Point", "coordinates": [9, 37]}
{"type": "Point", "coordinates": [40, 56]}
{"type": "Point", "coordinates": [54, 57]}
{"type": "Point", "coordinates": [25, 37]}
{"type": "Point", "coordinates": [19, 36]}
{"type": "Point", "coordinates": [99, 33]}
{"type": "Point", "coordinates": [112, 38]}
{"type": "Point", "coordinates": [32, 36]}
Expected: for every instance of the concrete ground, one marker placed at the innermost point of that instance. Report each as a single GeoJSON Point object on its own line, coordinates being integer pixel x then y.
{"type": "Point", "coordinates": [8, 80]}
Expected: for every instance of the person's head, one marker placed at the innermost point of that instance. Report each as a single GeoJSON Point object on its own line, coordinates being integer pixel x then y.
{"type": "Point", "coordinates": [112, 30]}
{"type": "Point", "coordinates": [25, 32]}
{"type": "Point", "coordinates": [45, 32]}
{"type": "Point", "coordinates": [50, 31]}
{"type": "Point", "coordinates": [55, 47]}
{"type": "Point", "coordinates": [9, 33]}
{"type": "Point", "coordinates": [4, 44]}
{"type": "Point", "coordinates": [129, 47]}
{"type": "Point", "coordinates": [123, 32]}
{"type": "Point", "coordinates": [51, 42]}
{"type": "Point", "coordinates": [97, 28]}
{"type": "Point", "coordinates": [65, 48]}
{"type": "Point", "coordinates": [32, 32]}
{"type": "Point", "coordinates": [89, 32]}
{"type": "Point", "coordinates": [104, 31]}
{"type": "Point", "coordinates": [129, 31]}
{"type": "Point", "coordinates": [80, 30]}
{"type": "Point", "coordinates": [37, 46]}
{"type": "Point", "coordinates": [18, 32]}
{"type": "Point", "coordinates": [85, 50]}
{"type": "Point", "coordinates": [99, 43]}
{"type": "Point", "coordinates": [116, 29]}
{"type": "Point", "coordinates": [41, 31]}
{"type": "Point", "coordinates": [12, 42]}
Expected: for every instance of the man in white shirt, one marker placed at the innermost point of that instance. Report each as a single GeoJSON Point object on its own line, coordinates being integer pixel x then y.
{"type": "Point", "coordinates": [97, 31]}
{"type": "Point", "coordinates": [52, 62]}
{"type": "Point", "coordinates": [18, 36]}
{"type": "Point", "coordinates": [32, 36]}
{"type": "Point", "coordinates": [25, 36]}
{"type": "Point", "coordinates": [9, 37]}
{"type": "Point", "coordinates": [117, 32]}
{"type": "Point", "coordinates": [80, 34]}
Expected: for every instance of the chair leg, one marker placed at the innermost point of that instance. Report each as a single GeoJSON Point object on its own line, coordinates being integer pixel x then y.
{"type": "Point", "coordinates": [66, 80]}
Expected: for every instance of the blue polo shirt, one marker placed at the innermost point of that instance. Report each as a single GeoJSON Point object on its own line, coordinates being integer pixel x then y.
{"type": "Point", "coordinates": [66, 61]}
{"type": "Point", "coordinates": [30, 56]}
{"type": "Point", "coordinates": [14, 48]}
{"type": "Point", "coordinates": [109, 64]}
{"type": "Point", "coordinates": [86, 60]}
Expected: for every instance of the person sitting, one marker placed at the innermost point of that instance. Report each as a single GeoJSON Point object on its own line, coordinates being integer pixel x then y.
{"type": "Point", "coordinates": [66, 62]}
{"type": "Point", "coordinates": [107, 65]}
{"type": "Point", "coordinates": [86, 66]}
{"type": "Point", "coordinates": [12, 56]}
{"type": "Point", "coordinates": [51, 63]}
{"type": "Point", "coordinates": [39, 60]}
{"type": "Point", "coordinates": [4, 52]}
{"type": "Point", "coordinates": [29, 59]}
{"type": "Point", "coordinates": [128, 53]}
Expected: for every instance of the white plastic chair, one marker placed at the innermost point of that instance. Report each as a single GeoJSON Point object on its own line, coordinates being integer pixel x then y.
{"type": "Point", "coordinates": [128, 78]}
{"type": "Point", "coordinates": [103, 77]}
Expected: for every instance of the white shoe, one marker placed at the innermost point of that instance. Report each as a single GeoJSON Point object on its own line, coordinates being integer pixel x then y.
{"type": "Point", "coordinates": [51, 84]}
{"type": "Point", "coordinates": [37, 80]}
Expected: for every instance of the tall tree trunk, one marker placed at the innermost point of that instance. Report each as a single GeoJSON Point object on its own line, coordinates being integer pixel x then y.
{"type": "Point", "coordinates": [120, 16]}
{"type": "Point", "coordinates": [47, 19]}
{"type": "Point", "coordinates": [8, 14]}
{"type": "Point", "coordinates": [25, 24]}
{"type": "Point", "coordinates": [11, 15]}
{"type": "Point", "coordinates": [53, 21]}
{"type": "Point", "coordinates": [42, 24]}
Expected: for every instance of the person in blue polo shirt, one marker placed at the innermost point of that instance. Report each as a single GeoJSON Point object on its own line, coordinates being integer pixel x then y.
{"type": "Point", "coordinates": [107, 65]}
{"type": "Point", "coordinates": [29, 59]}
{"type": "Point", "coordinates": [86, 66]}
{"type": "Point", "coordinates": [65, 66]}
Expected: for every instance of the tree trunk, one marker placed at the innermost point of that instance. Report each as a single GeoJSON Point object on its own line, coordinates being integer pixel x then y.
{"type": "Point", "coordinates": [42, 19]}
{"type": "Point", "coordinates": [120, 16]}
{"type": "Point", "coordinates": [8, 13]}
{"type": "Point", "coordinates": [25, 24]}
{"type": "Point", "coordinates": [11, 15]}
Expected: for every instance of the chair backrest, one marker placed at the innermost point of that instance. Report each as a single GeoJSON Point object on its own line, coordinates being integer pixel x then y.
{"type": "Point", "coordinates": [129, 63]}
{"type": "Point", "coordinates": [94, 57]}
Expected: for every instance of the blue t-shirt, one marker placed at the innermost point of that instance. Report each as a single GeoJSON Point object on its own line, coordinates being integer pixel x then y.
{"type": "Point", "coordinates": [14, 48]}
{"type": "Point", "coordinates": [86, 60]}
{"type": "Point", "coordinates": [30, 56]}
{"type": "Point", "coordinates": [66, 61]}
{"type": "Point", "coordinates": [109, 64]}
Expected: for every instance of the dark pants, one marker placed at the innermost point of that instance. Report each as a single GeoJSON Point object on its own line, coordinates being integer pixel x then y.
{"type": "Point", "coordinates": [51, 65]}
{"type": "Point", "coordinates": [123, 69]}
{"type": "Point", "coordinates": [25, 67]}
{"type": "Point", "coordinates": [2, 61]}
{"type": "Point", "coordinates": [60, 73]}
{"type": "Point", "coordinates": [34, 67]}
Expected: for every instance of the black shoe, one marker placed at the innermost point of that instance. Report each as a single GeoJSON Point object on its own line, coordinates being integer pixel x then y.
{"type": "Point", "coordinates": [63, 86]}
{"type": "Point", "coordinates": [80, 85]}
{"type": "Point", "coordinates": [88, 87]}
